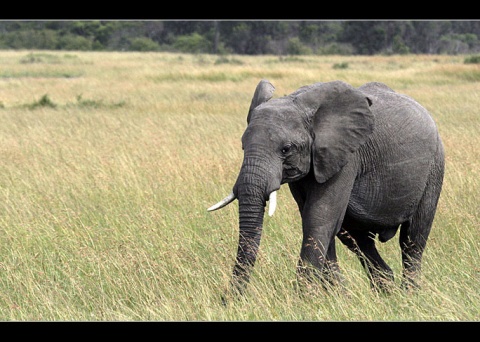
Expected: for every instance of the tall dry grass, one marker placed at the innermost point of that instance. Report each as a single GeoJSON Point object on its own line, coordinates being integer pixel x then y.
{"type": "Point", "coordinates": [108, 162]}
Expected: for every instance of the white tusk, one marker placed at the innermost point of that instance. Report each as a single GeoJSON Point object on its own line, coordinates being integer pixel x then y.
{"type": "Point", "coordinates": [272, 203]}
{"type": "Point", "coordinates": [229, 199]}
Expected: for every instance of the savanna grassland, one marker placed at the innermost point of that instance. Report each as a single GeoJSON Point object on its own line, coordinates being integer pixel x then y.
{"type": "Point", "coordinates": [109, 160]}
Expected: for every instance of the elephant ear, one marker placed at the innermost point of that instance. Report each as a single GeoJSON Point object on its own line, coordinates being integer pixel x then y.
{"type": "Point", "coordinates": [263, 93]}
{"type": "Point", "coordinates": [341, 120]}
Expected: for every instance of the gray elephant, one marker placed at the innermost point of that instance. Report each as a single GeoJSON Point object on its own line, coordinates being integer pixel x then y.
{"type": "Point", "coordinates": [359, 162]}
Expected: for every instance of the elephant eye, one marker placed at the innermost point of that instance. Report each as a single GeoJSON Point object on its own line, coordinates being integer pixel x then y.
{"type": "Point", "coordinates": [286, 148]}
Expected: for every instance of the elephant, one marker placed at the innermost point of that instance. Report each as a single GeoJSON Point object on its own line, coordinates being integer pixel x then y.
{"type": "Point", "coordinates": [361, 163]}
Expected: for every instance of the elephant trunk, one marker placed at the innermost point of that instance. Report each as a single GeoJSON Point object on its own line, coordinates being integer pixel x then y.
{"type": "Point", "coordinates": [251, 224]}
{"type": "Point", "coordinates": [252, 190]}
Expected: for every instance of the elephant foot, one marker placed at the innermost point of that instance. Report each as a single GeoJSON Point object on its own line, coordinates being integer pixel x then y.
{"type": "Point", "coordinates": [312, 280]}
{"type": "Point", "coordinates": [306, 288]}
{"type": "Point", "coordinates": [238, 286]}
{"type": "Point", "coordinates": [409, 281]}
{"type": "Point", "coordinates": [383, 286]}
{"type": "Point", "coordinates": [410, 285]}
{"type": "Point", "coordinates": [229, 296]}
{"type": "Point", "coordinates": [383, 282]}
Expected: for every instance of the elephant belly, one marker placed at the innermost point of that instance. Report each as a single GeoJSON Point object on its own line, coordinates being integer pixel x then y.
{"type": "Point", "coordinates": [388, 196]}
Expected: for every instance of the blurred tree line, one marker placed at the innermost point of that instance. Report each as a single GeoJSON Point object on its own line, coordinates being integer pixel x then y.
{"type": "Point", "coordinates": [251, 37]}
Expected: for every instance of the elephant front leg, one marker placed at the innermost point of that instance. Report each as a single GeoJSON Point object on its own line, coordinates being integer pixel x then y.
{"type": "Point", "coordinates": [323, 211]}
{"type": "Point", "coordinates": [315, 265]}
{"type": "Point", "coordinates": [318, 266]}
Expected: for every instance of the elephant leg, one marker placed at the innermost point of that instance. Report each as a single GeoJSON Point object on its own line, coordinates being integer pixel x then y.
{"type": "Point", "coordinates": [413, 239]}
{"type": "Point", "coordinates": [363, 245]}
{"type": "Point", "coordinates": [318, 258]}
{"type": "Point", "coordinates": [323, 268]}
{"type": "Point", "coordinates": [323, 208]}
{"type": "Point", "coordinates": [412, 249]}
{"type": "Point", "coordinates": [331, 271]}
{"type": "Point", "coordinates": [414, 233]}
{"type": "Point", "coordinates": [331, 274]}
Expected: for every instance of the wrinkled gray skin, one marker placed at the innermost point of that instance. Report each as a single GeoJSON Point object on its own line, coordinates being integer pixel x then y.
{"type": "Point", "coordinates": [360, 163]}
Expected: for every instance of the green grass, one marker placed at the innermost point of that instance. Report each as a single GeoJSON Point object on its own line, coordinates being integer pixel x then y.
{"type": "Point", "coordinates": [103, 196]}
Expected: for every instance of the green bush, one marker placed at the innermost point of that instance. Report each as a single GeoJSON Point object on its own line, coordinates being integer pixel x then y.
{"type": "Point", "coordinates": [336, 49]}
{"type": "Point", "coordinates": [30, 39]}
{"type": "Point", "coordinates": [143, 44]}
{"type": "Point", "coordinates": [74, 42]}
{"type": "Point", "coordinates": [43, 102]}
{"type": "Point", "coordinates": [296, 47]}
{"type": "Point", "coordinates": [399, 46]}
{"type": "Point", "coordinates": [343, 65]}
{"type": "Point", "coordinates": [87, 103]}
{"type": "Point", "coordinates": [194, 43]}
{"type": "Point", "coordinates": [472, 59]}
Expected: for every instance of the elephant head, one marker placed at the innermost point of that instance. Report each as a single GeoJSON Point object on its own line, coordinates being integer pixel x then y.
{"type": "Point", "coordinates": [313, 130]}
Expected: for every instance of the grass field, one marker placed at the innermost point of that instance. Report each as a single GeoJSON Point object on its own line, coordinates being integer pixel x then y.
{"type": "Point", "coordinates": [108, 162]}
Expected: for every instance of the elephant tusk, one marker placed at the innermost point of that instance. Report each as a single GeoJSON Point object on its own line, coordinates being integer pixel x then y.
{"type": "Point", "coordinates": [227, 200]}
{"type": "Point", "coordinates": [272, 203]}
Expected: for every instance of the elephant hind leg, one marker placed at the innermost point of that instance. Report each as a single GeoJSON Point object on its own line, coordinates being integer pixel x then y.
{"type": "Point", "coordinates": [412, 249]}
{"type": "Point", "coordinates": [413, 239]}
{"type": "Point", "coordinates": [414, 233]}
{"type": "Point", "coordinates": [362, 243]}
{"type": "Point", "coordinates": [412, 245]}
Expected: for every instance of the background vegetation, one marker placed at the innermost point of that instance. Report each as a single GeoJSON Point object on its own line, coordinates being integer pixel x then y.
{"type": "Point", "coordinates": [254, 37]}
{"type": "Point", "coordinates": [109, 160]}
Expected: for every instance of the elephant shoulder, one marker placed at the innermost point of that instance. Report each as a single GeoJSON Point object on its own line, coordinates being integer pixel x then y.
{"type": "Point", "coordinates": [380, 94]}
{"type": "Point", "coordinates": [375, 87]}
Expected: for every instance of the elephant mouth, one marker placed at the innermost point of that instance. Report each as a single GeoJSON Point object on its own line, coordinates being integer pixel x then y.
{"type": "Point", "coordinates": [291, 174]}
